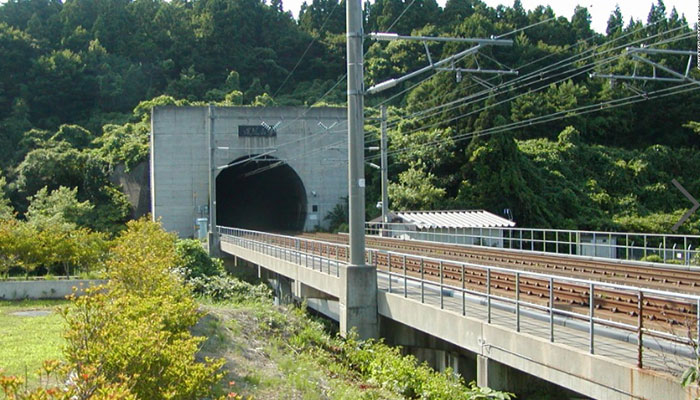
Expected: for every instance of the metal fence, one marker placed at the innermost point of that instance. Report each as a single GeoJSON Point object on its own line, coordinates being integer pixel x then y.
{"type": "Point", "coordinates": [509, 297]}
{"type": "Point", "coordinates": [314, 254]}
{"type": "Point", "coordinates": [665, 248]}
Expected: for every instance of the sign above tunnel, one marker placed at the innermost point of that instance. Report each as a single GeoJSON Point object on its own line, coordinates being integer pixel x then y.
{"type": "Point", "coordinates": [256, 131]}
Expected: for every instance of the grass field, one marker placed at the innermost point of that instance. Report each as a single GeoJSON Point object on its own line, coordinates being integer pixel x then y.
{"type": "Point", "coordinates": [26, 341]}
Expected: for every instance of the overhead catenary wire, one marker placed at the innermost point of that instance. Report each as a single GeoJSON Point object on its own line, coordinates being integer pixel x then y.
{"type": "Point", "coordinates": [597, 63]}
{"type": "Point", "coordinates": [461, 116]}
{"type": "Point", "coordinates": [614, 103]}
{"type": "Point", "coordinates": [342, 78]}
{"type": "Point", "coordinates": [560, 64]}
{"type": "Point", "coordinates": [534, 121]}
{"type": "Point", "coordinates": [555, 116]}
{"type": "Point", "coordinates": [460, 102]}
{"type": "Point", "coordinates": [532, 75]}
{"type": "Point", "coordinates": [289, 75]}
{"type": "Point", "coordinates": [549, 67]}
{"type": "Point", "coordinates": [497, 37]}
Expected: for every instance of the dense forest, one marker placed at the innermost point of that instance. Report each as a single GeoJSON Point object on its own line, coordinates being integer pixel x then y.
{"type": "Point", "coordinates": [556, 146]}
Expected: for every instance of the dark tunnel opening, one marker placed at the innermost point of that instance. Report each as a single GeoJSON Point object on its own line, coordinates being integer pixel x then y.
{"type": "Point", "coordinates": [262, 194]}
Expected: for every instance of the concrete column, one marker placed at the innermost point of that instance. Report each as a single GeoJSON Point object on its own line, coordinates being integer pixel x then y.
{"type": "Point", "coordinates": [358, 301]}
{"type": "Point", "coordinates": [498, 376]}
{"type": "Point", "coordinates": [284, 290]}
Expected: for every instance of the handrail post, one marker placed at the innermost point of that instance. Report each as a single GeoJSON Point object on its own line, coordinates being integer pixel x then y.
{"type": "Point", "coordinates": [551, 309]}
{"type": "Point", "coordinates": [665, 248]}
{"type": "Point", "coordinates": [517, 301]}
{"type": "Point", "coordinates": [591, 297]}
{"type": "Point", "coordinates": [405, 281]}
{"type": "Point", "coordinates": [422, 281]}
{"type": "Point", "coordinates": [464, 295]}
{"type": "Point", "coordinates": [488, 296]}
{"type": "Point", "coordinates": [442, 303]}
{"type": "Point", "coordinates": [640, 329]}
{"type": "Point", "coordinates": [697, 328]}
{"type": "Point", "coordinates": [520, 231]}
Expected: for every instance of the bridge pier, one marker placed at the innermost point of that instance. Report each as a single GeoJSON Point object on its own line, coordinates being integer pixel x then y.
{"type": "Point", "coordinates": [358, 301]}
{"type": "Point", "coordinates": [283, 289]}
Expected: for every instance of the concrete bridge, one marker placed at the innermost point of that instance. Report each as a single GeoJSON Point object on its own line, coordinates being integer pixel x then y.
{"type": "Point", "coordinates": [501, 341]}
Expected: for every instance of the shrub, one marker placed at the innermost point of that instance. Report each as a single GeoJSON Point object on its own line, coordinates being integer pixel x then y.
{"type": "Point", "coordinates": [385, 366]}
{"type": "Point", "coordinates": [195, 261]}
{"type": "Point", "coordinates": [226, 288]}
{"type": "Point", "coordinates": [135, 329]}
{"type": "Point", "coordinates": [82, 386]}
{"type": "Point", "coordinates": [653, 258]}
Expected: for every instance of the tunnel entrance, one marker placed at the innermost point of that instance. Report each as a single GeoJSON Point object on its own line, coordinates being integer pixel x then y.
{"type": "Point", "coordinates": [262, 193]}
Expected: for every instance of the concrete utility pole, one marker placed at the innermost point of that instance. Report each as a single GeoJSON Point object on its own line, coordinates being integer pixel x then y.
{"type": "Point", "coordinates": [213, 237]}
{"type": "Point", "coordinates": [385, 171]}
{"type": "Point", "coordinates": [358, 297]}
{"type": "Point", "coordinates": [356, 154]}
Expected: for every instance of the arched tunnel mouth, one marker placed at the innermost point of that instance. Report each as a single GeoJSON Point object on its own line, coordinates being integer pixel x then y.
{"type": "Point", "coordinates": [260, 193]}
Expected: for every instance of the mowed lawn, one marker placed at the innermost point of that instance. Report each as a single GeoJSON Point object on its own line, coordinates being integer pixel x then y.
{"type": "Point", "coordinates": [26, 341]}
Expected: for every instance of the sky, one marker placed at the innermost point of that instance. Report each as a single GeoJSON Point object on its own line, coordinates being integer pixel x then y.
{"type": "Point", "coordinates": [599, 9]}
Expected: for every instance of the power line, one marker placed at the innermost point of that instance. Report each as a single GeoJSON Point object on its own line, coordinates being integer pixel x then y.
{"type": "Point", "coordinates": [538, 72]}
{"type": "Point", "coordinates": [609, 104]}
{"type": "Point", "coordinates": [289, 75]}
{"type": "Point", "coordinates": [560, 64]}
{"type": "Point", "coordinates": [582, 69]}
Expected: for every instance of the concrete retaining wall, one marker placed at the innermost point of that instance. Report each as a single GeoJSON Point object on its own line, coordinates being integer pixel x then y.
{"type": "Point", "coordinates": [44, 289]}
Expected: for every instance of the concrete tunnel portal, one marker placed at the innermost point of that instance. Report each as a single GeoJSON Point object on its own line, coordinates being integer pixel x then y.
{"type": "Point", "coordinates": [260, 193]}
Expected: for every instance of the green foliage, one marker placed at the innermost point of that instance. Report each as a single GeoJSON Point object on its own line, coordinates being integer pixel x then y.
{"type": "Point", "coordinates": [226, 288]}
{"type": "Point", "coordinates": [6, 209]}
{"type": "Point", "coordinates": [415, 190]}
{"type": "Point", "coordinates": [134, 331]}
{"type": "Point", "coordinates": [80, 80]}
{"type": "Point", "coordinates": [386, 367]}
{"type": "Point", "coordinates": [9, 255]}
{"type": "Point", "coordinates": [124, 144]}
{"type": "Point", "coordinates": [58, 207]}
{"type": "Point", "coordinates": [51, 245]}
{"type": "Point", "coordinates": [58, 164]}
{"type": "Point", "coordinates": [371, 362]}
{"type": "Point", "coordinates": [195, 261]}
{"type": "Point", "coordinates": [338, 217]}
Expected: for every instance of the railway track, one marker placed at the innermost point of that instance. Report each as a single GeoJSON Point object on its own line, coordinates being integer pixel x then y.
{"type": "Point", "coordinates": [618, 306]}
{"type": "Point", "coordinates": [687, 281]}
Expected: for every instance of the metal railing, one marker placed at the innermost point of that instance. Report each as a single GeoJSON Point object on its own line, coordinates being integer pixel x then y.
{"type": "Point", "coordinates": [509, 296]}
{"type": "Point", "coordinates": [314, 254]}
{"type": "Point", "coordinates": [666, 248]}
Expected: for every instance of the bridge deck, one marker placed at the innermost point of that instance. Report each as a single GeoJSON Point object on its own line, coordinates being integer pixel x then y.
{"type": "Point", "coordinates": [488, 327]}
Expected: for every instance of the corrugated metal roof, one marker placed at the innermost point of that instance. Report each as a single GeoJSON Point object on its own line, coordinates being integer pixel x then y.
{"type": "Point", "coordinates": [454, 219]}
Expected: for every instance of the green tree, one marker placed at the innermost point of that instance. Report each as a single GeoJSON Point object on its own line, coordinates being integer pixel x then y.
{"type": "Point", "coordinates": [62, 91]}
{"type": "Point", "coordinates": [6, 210]}
{"type": "Point", "coordinates": [135, 330]}
{"type": "Point", "coordinates": [195, 261]}
{"type": "Point", "coordinates": [415, 190]}
{"type": "Point", "coordinates": [58, 208]}
{"type": "Point", "coordinates": [8, 245]}
{"type": "Point", "coordinates": [615, 23]}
